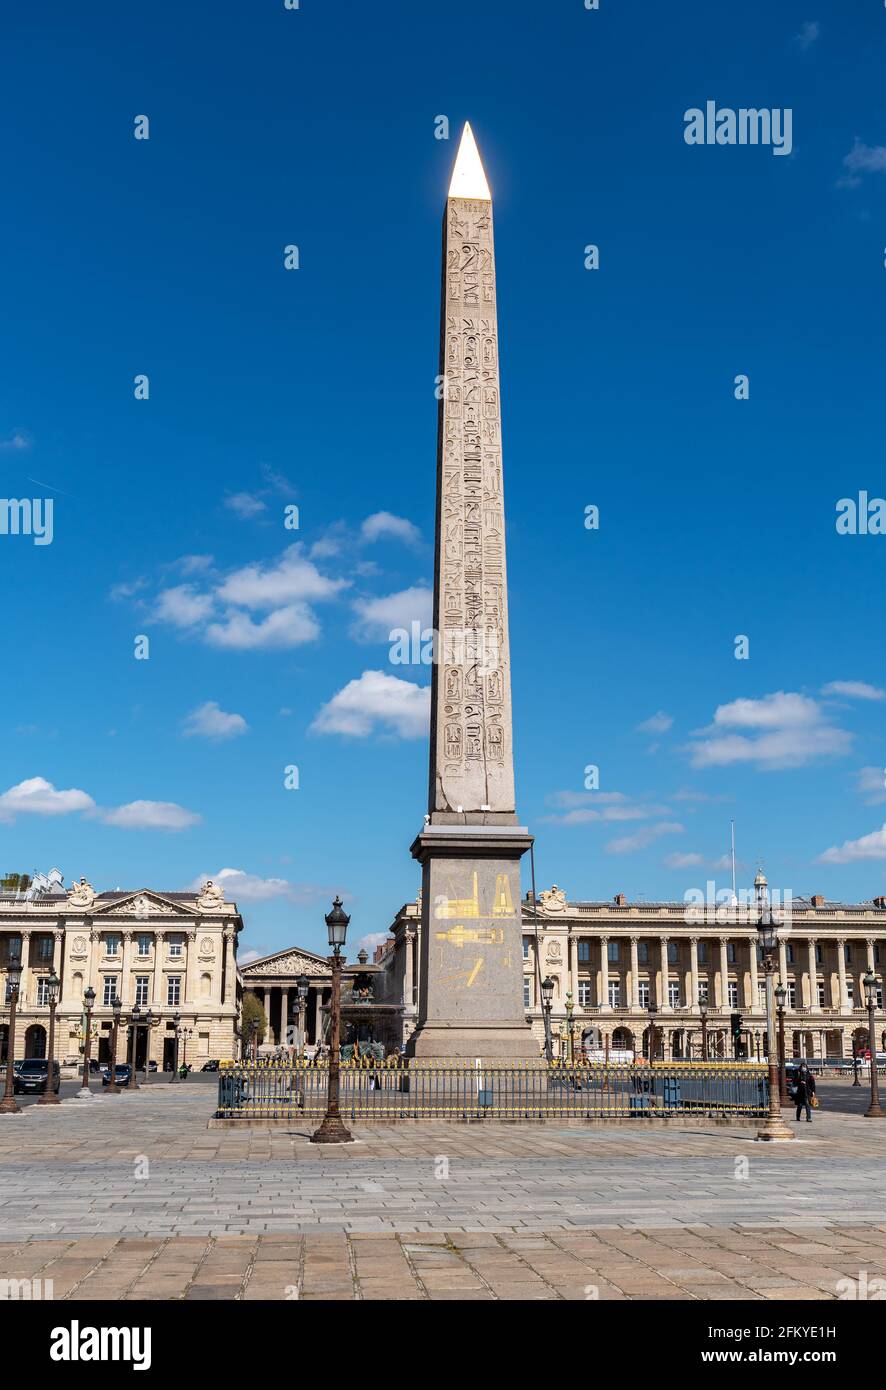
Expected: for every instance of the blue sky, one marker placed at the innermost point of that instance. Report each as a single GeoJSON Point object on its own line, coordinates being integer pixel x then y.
{"type": "Point", "coordinates": [315, 388]}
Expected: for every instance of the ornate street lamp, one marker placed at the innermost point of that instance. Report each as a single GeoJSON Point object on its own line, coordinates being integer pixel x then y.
{"type": "Point", "coordinates": [652, 1010]}
{"type": "Point", "coordinates": [781, 995]}
{"type": "Point", "coordinates": [774, 1127]}
{"type": "Point", "coordinates": [869, 981]}
{"type": "Point", "coordinates": [569, 1005]}
{"type": "Point", "coordinates": [117, 1006]}
{"type": "Point", "coordinates": [176, 1020]}
{"type": "Point", "coordinates": [134, 1017]}
{"type": "Point", "coordinates": [547, 1003]}
{"type": "Point", "coordinates": [53, 985]}
{"type": "Point", "coordinates": [703, 1011]}
{"type": "Point", "coordinates": [88, 1000]}
{"type": "Point", "coordinates": [332, 1130]}
{"type": "Point", "coordinates": [9, 1105]}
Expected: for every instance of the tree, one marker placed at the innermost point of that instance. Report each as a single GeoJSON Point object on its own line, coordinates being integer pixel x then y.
{"type": "Point", "coordinates": [251, 1009]}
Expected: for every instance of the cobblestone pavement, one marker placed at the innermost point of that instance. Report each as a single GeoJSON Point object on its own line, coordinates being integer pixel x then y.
{"type": "Point", "coordinates": [133, 1196]}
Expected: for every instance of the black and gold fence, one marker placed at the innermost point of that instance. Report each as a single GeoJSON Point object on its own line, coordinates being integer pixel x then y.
{"type": "Point", "coordinates": [400, 1090]}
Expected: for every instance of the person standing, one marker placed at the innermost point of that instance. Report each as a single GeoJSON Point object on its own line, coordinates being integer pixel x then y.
{"type": "Point", "coordinates": [805, 1090]}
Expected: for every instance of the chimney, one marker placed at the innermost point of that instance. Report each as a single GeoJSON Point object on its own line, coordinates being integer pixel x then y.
{"type": "Point", "coordinates": [620, 900]}
{"type": "Point", "coordinates": [817, 900]}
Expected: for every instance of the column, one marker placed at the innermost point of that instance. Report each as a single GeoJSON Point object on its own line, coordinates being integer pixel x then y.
{"type": "Point", "coordinates": [318, 1019]}
{"type": "Point", "coordinates": [189, 992]}
{"type": "Point", "coordinates": [24, 989]}
{"type": "Point", "coordinates": [783, 965]}
{"type": "Point", "coordinates": [754, 1002]}
{"type": "Point", "coordinates": [572, 965]}
{"type": "Point", "coordinates": [125, 978]}
{"type": "Point", "coordinates": [635, 972]}
{"type": "Point", "coordinates": [604, 973]}
{"type": "Point", "coordinates": [693, 971]}
{"type": "Point", "coordinates": [664, 1003]}
{"type": "Point", "coordinates": [841, 973]}
{"type": "Point", "coordinates": [230, 966]}
{"type": "Point", "coordinates": [813, 975]}
{"type": "Point", "coordinates": [724, 973]}
{"type": "Point", "coordinates": [284, 1015]}
{"type": "Point", "coordinates": [869, 946]}
{"type": "Point", "coordinates": [159, 947]}
{"type": "Point", "coordinates": [409, 971]}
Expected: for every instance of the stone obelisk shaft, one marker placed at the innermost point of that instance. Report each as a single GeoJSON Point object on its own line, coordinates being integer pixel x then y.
{"type": "Point", "coordinates": [472, 768]}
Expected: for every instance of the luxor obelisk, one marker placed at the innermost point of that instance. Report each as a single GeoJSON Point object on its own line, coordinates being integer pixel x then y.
{"type": "Point", "coordinates": [471, 981]}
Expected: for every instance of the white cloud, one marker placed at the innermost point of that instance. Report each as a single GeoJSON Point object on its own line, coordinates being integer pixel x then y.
{"type": "Point", "coordinates": [871, 846]}
{"type": "Point", "coordinates": [244, 957]}
{"type": "Point", "coordinates": [371, 940]}
{"type": "Point", "coordinates": [183, 606]}
{"type": "Point", "coordinates": [386, 524]}
{"type": "Point", "coordinates": [583, 808]}
{"type": "Point", "coordinates": [871, 784]}
{"type": "Point", "coordinates": [151, 815]}
{"type": "Point", "coordinates": [241, 886]}
{"type": "Point", "coordinates": [290, 579]}
{"type": "Point", "coordinates": [790, 730]}
{"type": "Point", "coordinates": [862, 159]}
{"type": "Point", "coordinates": [656, 724]}
{"type": "Point", "coordinates": [17, 441]}
{"type": "Point", "coordinates": [285, 627]}
{"type": "Point", "coordinates": [210, 721]}
{"type": "Point", "coordinates": [682, 861]}
{"type": "Point", "coordinates": [854, 690]}
{"type": "Point", "coordinates": [245, 505]}
{"type": "Point", "coordinates": [377, 617]}
{"type": "Point", "coordinates": [626, 844]}
{"type": "Point", "coordinates": [376, 701]}
{"type": "Point", "coordinates": [808, 34]}
{"type": "Point", "coordinates": [37, 797]}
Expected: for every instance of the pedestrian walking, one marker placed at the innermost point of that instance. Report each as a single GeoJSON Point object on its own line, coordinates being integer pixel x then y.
{"type": "Point", "coordinates": [804, 1092]}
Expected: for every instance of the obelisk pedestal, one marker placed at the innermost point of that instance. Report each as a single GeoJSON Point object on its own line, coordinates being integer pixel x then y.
{"type": "Point", "coordinates": [471, 975]}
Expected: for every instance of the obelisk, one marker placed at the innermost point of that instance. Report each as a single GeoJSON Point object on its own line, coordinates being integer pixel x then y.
{"type": "Point", "coordinates": [471, 979]}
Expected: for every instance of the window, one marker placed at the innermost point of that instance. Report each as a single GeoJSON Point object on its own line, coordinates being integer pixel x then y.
{"type": "Point", "coordinates": [703, 991]}
{"type": "Point", "coordinates": [584, 993]}
{"type": "Point", "coordinates": [174, 989]}
{"type": "Point", "coordinates": [674, 993]}
{"type": "Point", "coordinates": [175, 945]}
{"type": "Point", "coordinates": [584, 951]}
{"type": "Point", "coordinates": [527, 992]}
{"type": "Point", "coordinates": [820, 991]}
{"type": "Point", "coordinates": [615, 994]}
{"type": "Point", "coordinates": [672, 953]}
{"type": "Point", "coordinates": [702, 953]}
{"type": "Point", "coordinates": [144, 946]}
{"type": "Point", "coordinates": [850, 991]}
{"type": "Point", "coordinates": [643, 993]}
{"type": "Point", "coordinates": [730, 953]}
{"type": "Point", "coordinates": [847, 953]}
{"type": "Point", "coordinates": [732, 993]}
{"type": "Point", "coordinates": [792, 994]}
{"type": "Point", "coordinates": [818, 955]}
{"type": "Point", "coordinates": [42, 990]}
{"type": "Point", "coordinates": [643, 952]}
{"type": "Point", "coordinates": [790, 955]}
{"type": "Point", "coordinates": [141, 990]}
{"type": "Point", "coordinates": [112, 945]}
{"type": "Point", "coordinates": [109, 989]}
{"type": "Point", "coordinates": [876, 955]}
{"type": "Point", "coordinates": [761, 993]}
{"type": "Point", "coordinates": [612, 952]}
{"type": "Point", "coordinates": [44, 950]}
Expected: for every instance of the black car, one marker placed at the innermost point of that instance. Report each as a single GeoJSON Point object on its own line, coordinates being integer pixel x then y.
{"type": "Point", "coordinates": [122, 1074]}
{"type": "Point", "coordinates": [211, 1065]}
{"type": "Point", "coordinates": [32, 1076]}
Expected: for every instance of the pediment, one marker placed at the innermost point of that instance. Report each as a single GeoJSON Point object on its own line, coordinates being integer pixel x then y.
{"type": "Point", "coordinates": [142, 905]}
{"type": "Point", "coordinates": [289, 964]}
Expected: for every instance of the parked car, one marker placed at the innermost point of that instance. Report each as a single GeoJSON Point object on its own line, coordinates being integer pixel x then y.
{"type": "Point", "coordinates": [33, 1075]}
{"type": "Point", "coordinates": [152, 1065]}
{"type": "Point", "coordinates": [122, 1074]}
{"type": "Point", "coordinates": [211, 1065]}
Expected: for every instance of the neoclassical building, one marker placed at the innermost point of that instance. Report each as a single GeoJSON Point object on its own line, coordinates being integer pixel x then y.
{"type": "Point", "coordinates": [616, 958]}
{"type": "Point", "coordinates": [173, 953]}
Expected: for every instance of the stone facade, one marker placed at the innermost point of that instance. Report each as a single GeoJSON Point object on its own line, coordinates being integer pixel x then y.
{"type": "Point", "coordinates": [617, 957]}
{"type": "Point", "coordinates": [174, 953]}
{"type": "Point", "coordinates": [368, 1014]}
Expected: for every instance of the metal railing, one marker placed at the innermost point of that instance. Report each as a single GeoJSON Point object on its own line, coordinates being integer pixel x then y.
{"type": "Point", "coordinates": [397, 1089]}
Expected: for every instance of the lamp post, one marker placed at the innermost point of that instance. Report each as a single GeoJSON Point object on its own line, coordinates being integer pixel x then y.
{"type": "Point", "coordinates": [53, 984]}
{"type": "Point", "coordinates": [781, 995]}
{"type": "Point", "coordinates": [9, 1105]}
{"type": "Point", "coordinates": [117, 1006]}
{"type": "Point", "coordinates": [88, 1000]}
{"type": "Point", "coordinates": [774, 1127]}
{"type": "Point", "coordinates": [302, 987]}
{"type": "Point", "coordinates": [869, 980]}
{"type": "Point", "coordinates": [134, 1017]}
{"type": "Point", "coordinates": [185, 1034]}
{"type": "Point", "coordinates": [331, 1130]}
{"type": "Point", "coordinates": [703, 1011]}
{"type": "Point", "coordinates": [547, 1001]}
{"type": "Point", "coordinates": [652, 1010]}
{"type": "Point", "coordinates": [855, 1080]}
{"type": "Point", "coordinates": [176, 1020]}
{"type": "Point", "coordinates": [570, 1007]}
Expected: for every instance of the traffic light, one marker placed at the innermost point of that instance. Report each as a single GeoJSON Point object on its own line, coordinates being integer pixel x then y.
{"type": "Point", "coordinates": [735, 1022]}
